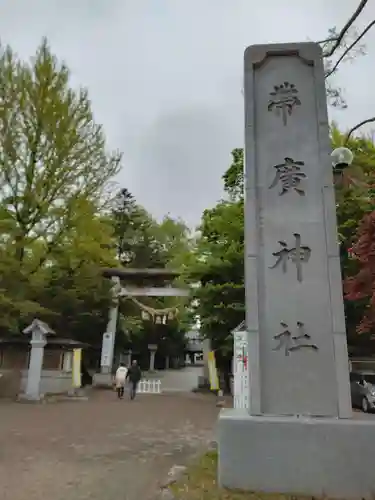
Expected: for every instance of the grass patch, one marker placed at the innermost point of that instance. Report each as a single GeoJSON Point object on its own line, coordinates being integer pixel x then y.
{"type": "Point", "coordinates": [200, 483]}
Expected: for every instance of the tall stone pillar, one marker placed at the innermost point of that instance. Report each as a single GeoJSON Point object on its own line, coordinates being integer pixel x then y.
{"type": "Point", "coordinates": [299, 419]}
{"type": "Point", "coordinates": [152, 348]}
{"type": "Point", "coordinates": [35, 369]}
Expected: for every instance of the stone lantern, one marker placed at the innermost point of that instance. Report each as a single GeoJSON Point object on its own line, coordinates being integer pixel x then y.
{"type": "Point", "coordinates": [38, 331]}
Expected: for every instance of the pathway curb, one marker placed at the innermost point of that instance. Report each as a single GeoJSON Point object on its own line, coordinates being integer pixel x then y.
{"type": "Point", "coordinates": [175, 474]}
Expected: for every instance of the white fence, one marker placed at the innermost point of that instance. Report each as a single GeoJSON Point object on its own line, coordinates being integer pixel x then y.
{"type": "Point", "coordinates": [240, 370]}
{"type": "Point", "coordinates": [149, 387]}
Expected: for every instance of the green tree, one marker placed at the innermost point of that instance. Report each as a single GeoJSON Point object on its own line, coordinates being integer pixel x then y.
{"type": "Point", "coordinates": [175, 241]}
{"type": "Point", "coordinates": [177, 245]}
{"type": "Point", "coordinates": [77, 301]}
{"type": "Point", "coordinates": [55, 175]}
{"type": "Point", "coordinates": [16, 301]}
{"type": "Point", "coordinates": [219, 270]}
{"type": "Point", "coordinates": [73, 290]}
{"type": "Point", "coordinates": [234, 176]}
{"type": "Point", "coordinates": [135, 233]}
{"type": "Point", "coordinates": [52, 153]}
{"type": "Point", "coordinates": [70, 292]}
{"type": "Point", "coordinates": [142, 242]}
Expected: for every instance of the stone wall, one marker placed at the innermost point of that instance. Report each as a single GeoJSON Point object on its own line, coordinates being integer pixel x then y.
{"type": "Point", "coordinates": [52, 382]}
{"type": "Point", "coordinates": [13, 382]}
{"type": "Point", "coordinates": [13, 358]}
{"type": "Point", "coordinates": [13, 371]}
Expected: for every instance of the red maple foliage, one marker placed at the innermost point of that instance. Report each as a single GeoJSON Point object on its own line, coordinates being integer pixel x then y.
{"type": "Point", "coordinates": [362, 285]}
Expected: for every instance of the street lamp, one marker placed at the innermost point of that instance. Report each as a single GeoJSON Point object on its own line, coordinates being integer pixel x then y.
{"type": "Point", "coordinates": [341, 159]}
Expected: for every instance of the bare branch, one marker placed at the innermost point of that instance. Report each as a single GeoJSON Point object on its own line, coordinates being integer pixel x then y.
{"type": "Point", "coordinates": [345, 29]}
{"type": "Point", "coordinates": [348, 49]}
{"type": "Point", "coordinates": [333, 39]}
{"type": "Point", "coordinates": [356, 127]}
{"type": "Point", "coordinates": [335, 97]}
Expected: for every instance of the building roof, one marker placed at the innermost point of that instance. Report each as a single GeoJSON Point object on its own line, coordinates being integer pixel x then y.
{"type": "Point", "coordinates": [240, 328]}
{"type": "Point", "coordinates": [56, 342]}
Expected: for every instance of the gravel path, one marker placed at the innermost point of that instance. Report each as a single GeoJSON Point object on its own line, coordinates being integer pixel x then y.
{"type": "Point", "coordinates": [101, 449]}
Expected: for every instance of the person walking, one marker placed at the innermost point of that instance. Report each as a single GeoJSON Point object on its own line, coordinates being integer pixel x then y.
{"type": "Point", "coordinates": [134, 375]}
{"type": "Point", "coordinates": [120, 379]}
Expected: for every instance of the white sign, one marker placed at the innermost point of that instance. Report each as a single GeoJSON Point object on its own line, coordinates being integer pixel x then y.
{"type": "Point", "coordinates": [241, 370]}
{"type": "Point", "coordinates": [107, 350]}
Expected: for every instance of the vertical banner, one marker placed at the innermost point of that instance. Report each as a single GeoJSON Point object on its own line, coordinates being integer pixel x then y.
{"type": "Point", "coordinates": [76, 372]}
{"type": "Point", "coordinates": [241, 370]}
{"type": "Point", "coordinates": [212, 370]}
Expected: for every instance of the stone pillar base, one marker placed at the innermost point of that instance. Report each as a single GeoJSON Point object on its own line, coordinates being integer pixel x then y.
{"type": "Point", "coordinates": [103, 380]}
{"type": "Point", "coordinates": [321, 457]}
{"type": "Point", "coordinates": [203, 382]}
{"type": "Point", "coordinates": [28, 398]}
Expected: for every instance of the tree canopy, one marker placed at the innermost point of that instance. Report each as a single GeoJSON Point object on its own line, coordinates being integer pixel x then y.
{"type": "Point", "coordinates": [60, 223]}
{"type": "Point", "coordinates": [55, 172]}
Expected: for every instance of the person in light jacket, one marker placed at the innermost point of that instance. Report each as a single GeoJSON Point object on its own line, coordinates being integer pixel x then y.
{"type": "Point", "coordinates": [120, 379]}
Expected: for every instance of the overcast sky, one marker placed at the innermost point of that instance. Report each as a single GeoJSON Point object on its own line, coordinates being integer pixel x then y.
{"type": "Point", "coordinates": [165, 79]}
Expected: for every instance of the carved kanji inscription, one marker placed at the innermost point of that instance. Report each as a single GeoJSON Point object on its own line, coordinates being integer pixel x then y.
{"type": "Point", "coordinates": [290, 343]}
{"type": "Point", "coordinates": [289, 176]}
{"type": "Point", "coordinates": [283, 99]}
{"type": "Point", "coordinates": [298, 254]}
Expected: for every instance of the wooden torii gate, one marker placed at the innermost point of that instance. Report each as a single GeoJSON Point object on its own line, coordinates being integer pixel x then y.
{"type": "Point", "coordinates": [130, 290]}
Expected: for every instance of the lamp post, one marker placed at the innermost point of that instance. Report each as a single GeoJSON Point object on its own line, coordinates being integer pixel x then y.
{"type": "Point", "coordinates": [341, 158]}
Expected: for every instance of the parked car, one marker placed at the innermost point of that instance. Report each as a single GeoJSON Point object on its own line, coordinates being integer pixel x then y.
{"type": "Point", "coordinates": [362, 388]}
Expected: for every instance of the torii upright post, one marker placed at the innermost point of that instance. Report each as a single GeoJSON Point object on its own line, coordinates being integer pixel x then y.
{"type": "Point", "coordinates": [109, 337]}
{"type": "Point", "coordinates": [298, 435]}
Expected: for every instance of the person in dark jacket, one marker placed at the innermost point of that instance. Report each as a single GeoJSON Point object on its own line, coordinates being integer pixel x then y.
{"type": "Point", "coordinates": [134, 375]}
